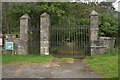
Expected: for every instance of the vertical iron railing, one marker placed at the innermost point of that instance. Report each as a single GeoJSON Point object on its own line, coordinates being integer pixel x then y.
{"type": "Point", "coordinates": [69, 41]}
{"type": "Point", "coordinates": [35, 40]}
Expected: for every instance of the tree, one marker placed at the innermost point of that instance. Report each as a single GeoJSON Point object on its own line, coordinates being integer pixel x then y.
{"type": "Point", "coordinates": [61, 13]}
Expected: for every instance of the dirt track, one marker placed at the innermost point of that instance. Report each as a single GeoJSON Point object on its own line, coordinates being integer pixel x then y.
{"type": "Point", "coordinates": [49, 70]}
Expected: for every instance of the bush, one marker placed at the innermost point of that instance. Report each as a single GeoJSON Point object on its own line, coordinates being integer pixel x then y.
{"type": "Point", "coordinates": [113, 51]}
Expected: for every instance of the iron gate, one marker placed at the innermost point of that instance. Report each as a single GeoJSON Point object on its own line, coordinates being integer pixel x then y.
{"type": "Point", "coordinates": [34, 39]}
{"type": "Point", "coordinates": [69, 41]}
{"type": "Point", "coordinates": [65, 41]}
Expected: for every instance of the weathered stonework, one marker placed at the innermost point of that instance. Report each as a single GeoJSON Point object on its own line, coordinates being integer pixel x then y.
{"type": "Point", "coordinates": [108, 43]}
{"type": "Point", "coordinates": [24, 34]}
{"type": "Point", "coordinates": [22, 45]}
{"type": "Point", "coordinates": [99, 45]}
{"type": "Point", "coordinates": [44, 34]}
{"type": "Point", "coordinates": [10, 37]}
{"type": "Point", "coordinates": [94, 32]}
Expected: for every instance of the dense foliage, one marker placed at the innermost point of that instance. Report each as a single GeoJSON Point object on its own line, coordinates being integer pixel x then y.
{"type": "Point", "coordinates": [60, 13]}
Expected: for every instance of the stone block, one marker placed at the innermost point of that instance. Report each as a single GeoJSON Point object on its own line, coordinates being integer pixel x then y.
{"type": "Point", "coordinates": [24, 34]}
{"type": "Point", "coordinates": [44, 34]}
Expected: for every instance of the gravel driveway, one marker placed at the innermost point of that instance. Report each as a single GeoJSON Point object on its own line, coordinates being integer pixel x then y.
{"type": "Point", "coordinates": [49, 70]}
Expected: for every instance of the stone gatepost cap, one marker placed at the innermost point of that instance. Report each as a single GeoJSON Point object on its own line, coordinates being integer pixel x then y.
{"type": "Point", "coordinates": [1, 35]}
{"type": "Point", "coordinates": [44, 14]}
{"type": "Point", "coordinates": [25, 16]}
{"type": "Point", "coordinates": [94, 13]}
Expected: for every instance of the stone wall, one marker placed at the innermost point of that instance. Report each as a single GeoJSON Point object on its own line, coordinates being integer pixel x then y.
{"type": "Point", "coordinates": [18, 45]}
{"type": "Point", "coordinates": [104, 45]}
{"type": "Point", "coordinates": [98, 45]}
{"type": "Point", "coordinates": [21, 45]}
{"type": "Point", "coordinates": [108, 43]}
{"type": "Point", "coordinates": [19, 49]}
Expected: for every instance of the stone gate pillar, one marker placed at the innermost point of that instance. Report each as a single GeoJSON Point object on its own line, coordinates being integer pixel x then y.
{"type": "Point", "coordinates": [24, 34]}
{"type": "Point", "coordinates": [44, 34]}
{"type": "Point", "coordinates": [94, 29]}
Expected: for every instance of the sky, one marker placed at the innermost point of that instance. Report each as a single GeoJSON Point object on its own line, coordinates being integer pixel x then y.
{"type": "Point", "coordinates": [116, 4]}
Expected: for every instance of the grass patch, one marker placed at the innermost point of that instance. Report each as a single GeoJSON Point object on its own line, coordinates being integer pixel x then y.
{"type": "Point", "coordinates": [106, 64]}
{"type": "Point", "coordinates": [7, 58]}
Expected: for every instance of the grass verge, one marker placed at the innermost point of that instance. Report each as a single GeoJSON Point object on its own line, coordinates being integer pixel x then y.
{"type": "Point", "coordinates": [7, 58]}
{"type": "Point", "coordinates": [106, 64]}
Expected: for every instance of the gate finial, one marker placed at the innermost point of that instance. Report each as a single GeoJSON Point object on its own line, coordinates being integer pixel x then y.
{"type": "Point", "coordinates": [25, 16]}
{"type": "Point", "coordinates": [44, 14]}
{"type": "Point", "coordinates": [94, 13]}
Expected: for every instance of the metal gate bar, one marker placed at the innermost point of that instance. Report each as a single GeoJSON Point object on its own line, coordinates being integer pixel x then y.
{"type": "Point", "coordinates": [69, 41]}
